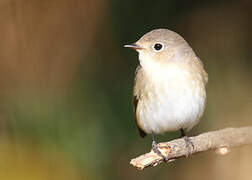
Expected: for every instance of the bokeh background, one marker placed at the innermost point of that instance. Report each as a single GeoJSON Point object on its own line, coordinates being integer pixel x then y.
{"type": "Point", "coordinates": [66, 84]}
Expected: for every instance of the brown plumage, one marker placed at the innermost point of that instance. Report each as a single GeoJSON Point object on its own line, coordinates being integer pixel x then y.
{"type": "Point", "coordinates": [135, 100]}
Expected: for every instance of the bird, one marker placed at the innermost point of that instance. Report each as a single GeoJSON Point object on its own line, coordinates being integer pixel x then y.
{"type": "Point", "coordinates": [169, 91]}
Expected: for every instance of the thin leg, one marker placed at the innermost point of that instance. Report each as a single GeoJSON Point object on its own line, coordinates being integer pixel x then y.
{"type": "Point", "coordinates": [188, 142]}
{"type": "Point", "coordinates": [182, 132]}
{"type": "Point", "coordinates": [155, 148]}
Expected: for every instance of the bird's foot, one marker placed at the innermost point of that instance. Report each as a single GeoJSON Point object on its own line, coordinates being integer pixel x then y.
{"type": "Point", "coordinates": [189, 145]}
{"type": "Point", "coordinates": [157, 151]}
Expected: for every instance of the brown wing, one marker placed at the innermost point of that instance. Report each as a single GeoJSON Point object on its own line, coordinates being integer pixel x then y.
{"type": "Point", "coordinates": [135, 101]}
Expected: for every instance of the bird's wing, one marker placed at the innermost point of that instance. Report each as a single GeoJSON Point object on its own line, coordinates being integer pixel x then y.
{"type": "Point", "coordinates": [135, 101]}
{"type": "Point", "coordinates": [203, 72]}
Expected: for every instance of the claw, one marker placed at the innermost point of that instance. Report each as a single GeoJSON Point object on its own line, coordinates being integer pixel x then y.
{"type": "Point", "coordinates": [189, 145]}
{"type": "Point", "coordinates": [157, 151]}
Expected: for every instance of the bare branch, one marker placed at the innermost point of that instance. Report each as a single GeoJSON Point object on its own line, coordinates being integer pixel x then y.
{"type": "Point", "coordinates": [220, 141]}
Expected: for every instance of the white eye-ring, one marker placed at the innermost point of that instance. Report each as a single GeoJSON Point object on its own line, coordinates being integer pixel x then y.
{"type": "Point", "coordinates": [158, 47]}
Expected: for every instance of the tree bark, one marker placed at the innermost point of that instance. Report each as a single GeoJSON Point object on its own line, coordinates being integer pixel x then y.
{"type": "Point", "coordinates": [220, 141]}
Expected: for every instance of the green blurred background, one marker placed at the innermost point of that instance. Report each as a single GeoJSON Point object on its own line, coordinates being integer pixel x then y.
{"type": "Point", "coordinates": [66, 84]}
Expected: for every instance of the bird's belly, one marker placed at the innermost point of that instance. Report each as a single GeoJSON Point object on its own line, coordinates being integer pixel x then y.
{"type": "Point", "coordinates": [170, 109]}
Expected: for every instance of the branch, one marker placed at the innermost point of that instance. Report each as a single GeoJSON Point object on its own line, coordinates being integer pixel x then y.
{"type": "Point", "coordinates": [220, 141]}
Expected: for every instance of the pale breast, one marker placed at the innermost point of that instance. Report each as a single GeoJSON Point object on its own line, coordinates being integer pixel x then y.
{"type": "Point", "coordinates": [169, 99]}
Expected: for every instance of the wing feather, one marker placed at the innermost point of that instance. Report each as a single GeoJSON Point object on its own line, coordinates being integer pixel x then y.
{"type": "Point", "coordinates": [135, 101]}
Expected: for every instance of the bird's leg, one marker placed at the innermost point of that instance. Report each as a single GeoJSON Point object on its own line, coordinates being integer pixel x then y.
{"type": "Point", "coordinates": [188, 142]}
{"type": "Point", "coordinates": [156, 150]}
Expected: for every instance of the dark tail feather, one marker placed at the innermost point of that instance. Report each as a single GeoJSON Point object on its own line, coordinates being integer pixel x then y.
{"type": "Point", "coordinates": [141, 132]}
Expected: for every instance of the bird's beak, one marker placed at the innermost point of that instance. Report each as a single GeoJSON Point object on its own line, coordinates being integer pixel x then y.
{"type": "Point", "coordinates": [133, 46]}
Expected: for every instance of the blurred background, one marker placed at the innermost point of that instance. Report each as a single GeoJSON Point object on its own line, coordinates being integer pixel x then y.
{"type": "Point", "coordinates": [66, 85]}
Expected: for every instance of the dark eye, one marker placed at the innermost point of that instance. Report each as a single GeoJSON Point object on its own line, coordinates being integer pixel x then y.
{"type": "Point", "coordinates": [158, 46]}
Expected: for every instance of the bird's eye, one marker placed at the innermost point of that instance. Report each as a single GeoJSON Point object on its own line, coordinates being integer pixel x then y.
{"type": "Point", "coordinates": [158, 47]}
